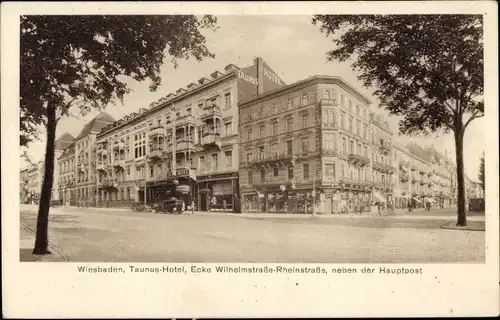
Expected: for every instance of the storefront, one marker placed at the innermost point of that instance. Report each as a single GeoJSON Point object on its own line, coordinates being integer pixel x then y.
{"type": "Point", "coordinates": [217, 192]}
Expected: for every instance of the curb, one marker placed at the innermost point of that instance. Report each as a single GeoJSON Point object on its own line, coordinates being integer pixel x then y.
{"type": "Point", "coordinates": [453, 226]}
{"type": "Point", "coordinates": [51, 245]}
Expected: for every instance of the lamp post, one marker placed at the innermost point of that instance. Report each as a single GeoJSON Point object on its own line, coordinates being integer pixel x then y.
{"type": "Point", "coordinates": [313, 194]}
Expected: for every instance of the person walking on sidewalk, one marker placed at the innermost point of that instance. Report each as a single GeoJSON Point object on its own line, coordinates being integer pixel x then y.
{"type": "Point", "coordinates": [361, 208]}
{"type": "Point", "coordinates": [378, 208]}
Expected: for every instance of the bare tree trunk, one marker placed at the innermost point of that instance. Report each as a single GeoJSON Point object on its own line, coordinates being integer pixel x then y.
{"type": "Point", "coordinates": [459, 150]}
{"type": "Point", "coordinates": [42, 242]}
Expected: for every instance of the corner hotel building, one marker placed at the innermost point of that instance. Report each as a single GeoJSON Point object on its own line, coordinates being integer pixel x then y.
{"type": "Point", "coordinates": [316, 134]}
{"type": "Point", "coordinates": [187, 140]}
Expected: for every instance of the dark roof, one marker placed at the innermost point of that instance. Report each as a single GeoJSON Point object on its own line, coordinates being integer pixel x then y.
{"type": "Point", "coordinates": [64, 141]}
{"type": "Point", "coordinates": [95, 125]}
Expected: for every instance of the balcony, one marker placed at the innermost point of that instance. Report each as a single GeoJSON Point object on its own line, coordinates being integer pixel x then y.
{"type": "Point", "coordinates": [403, 177]}
{"type": "Point", "coordinates": [108, 183]}
{"type": "Point", "coordinates": [382, 167]}
{"type": "Point", "coordinates": [182, 172]}
{"type": "Point", "coordinates": [211, 140]}
{"type": "Point", "coordinates": [185, 145]}
{"type": "Point", "coordinates": [327, 102]}
{"type": "Point", "coordinates": [101, 166]}
{"type": "Point", "coordinates": [358, 160]}
{"type": "Point", "coordinates": [279, 159]}
{"type": "Point", "coordinates": [156, 131]}
{"type": "Point", "coordinates": [119, 164]}
{"type": "Point", "coordinates": [118, 145]}
{"type": "Point", "coordinates": [155, 153]}
{"type": "Point", "coordinates": [185, 120]}
{"type": "Point", "coordinates": [210, 113]}
{"type": "Point", "coordinates": [385, 149]}
{"type": "Point", "coordinates": [355, 183]}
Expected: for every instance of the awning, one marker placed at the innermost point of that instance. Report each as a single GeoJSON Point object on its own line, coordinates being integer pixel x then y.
{"type": "Point", "coordinates": [416, 199]}
{"type": "Point", "coordinates": [431, 200]}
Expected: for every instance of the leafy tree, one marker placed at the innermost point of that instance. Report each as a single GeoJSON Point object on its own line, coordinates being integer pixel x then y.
{"type": "Point", "coordinates": [480, 175]}
{"type": "Point", "coordinates": [426, 68]}
{"type": "Point", "coordinates": [83, 62]}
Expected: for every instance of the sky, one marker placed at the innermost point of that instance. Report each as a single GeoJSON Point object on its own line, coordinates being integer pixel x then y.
{"type": "Point", "coordinates": [295, 49]}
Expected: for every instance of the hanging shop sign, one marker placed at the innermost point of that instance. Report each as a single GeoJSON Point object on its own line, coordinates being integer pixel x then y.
{"type": "Point", "coordinates": [183, 189]}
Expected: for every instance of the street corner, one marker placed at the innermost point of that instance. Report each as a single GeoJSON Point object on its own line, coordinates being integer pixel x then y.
{"type": "Point", "coordinates": [471, 226]}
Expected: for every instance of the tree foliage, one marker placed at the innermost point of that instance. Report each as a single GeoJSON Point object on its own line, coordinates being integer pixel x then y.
{"type": "Point", "coordinates": [426, 68]}
{"type": "Point", "coordinates": [81, 60]}
{"type": "Point", "coordinates": [84, 61]}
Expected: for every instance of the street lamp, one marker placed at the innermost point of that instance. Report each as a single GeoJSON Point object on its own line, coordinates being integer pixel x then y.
{"type": "Point", "coordinates": [313, 194]}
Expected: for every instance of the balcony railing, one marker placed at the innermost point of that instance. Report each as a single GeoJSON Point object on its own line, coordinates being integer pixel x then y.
{"type": "Point", "coordinates": [156, 132]}
{"type": "Point", "coordinates": [185, 145]}
{"type": "Point", "coordinates": [118, 145]}
{"type": "Point", "coordinates": [155, 153]}
{"type": "Point", "coordinates": [279, 158]}
{"type": "Point", "coordinates": [211, 139]}
{"type": "Point", "coordinates": [185, 120]}
{"type": "Point", "coordinates": [108, 183]}
{"type": "Point", "coordinates": [210, 112]}
{"type": "Point", "coordinates": [360, 183]}
{"type": "Point", "coordinates": [119, 163]}
{"type": "Point", "coordinates": [330, 153]}
{"type": "Point", "coordinates": [327, 102]}
{"type": "Point", "coordinates": [382, 167]}
{"type": "Point", "coordinates": [182, 172]}
{"type": "Point", "coordinates": [358, 159]}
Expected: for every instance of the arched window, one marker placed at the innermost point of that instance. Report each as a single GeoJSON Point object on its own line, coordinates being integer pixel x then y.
{"type": "Point", "coordinates": [275, 109]}
{"type": "Point", "coordinates": [289, 104]}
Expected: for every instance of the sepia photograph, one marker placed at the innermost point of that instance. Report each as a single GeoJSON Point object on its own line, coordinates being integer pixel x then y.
{"type": "Point", "coordinates": [215, 144]}
{"type": "Point", "coordinates": [348, 149]}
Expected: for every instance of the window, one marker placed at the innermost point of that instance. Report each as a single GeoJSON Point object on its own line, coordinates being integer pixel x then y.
{"type": "Point", "coordinates": [228, 128]}
{"type": "Point", "coordinates": [275, 172]}
{"type": "Point", "coordinates": [350, 124]}
{"type": "Point", "coordinates": [330, 170]}
{"type": "Point", "coordinates": [342, 100]}
{"type": "Point", "coordinates": [250, 177]}
{"type": "Point", "coordinates": [305, 146]}
{"type": "Point", "coordinates": [249, 157]}
{"type": "Point", "coordinates": [151, 172]}
{"type": "Point", "coordinates": [201, 162]}
{"type": "Point", "coordinates": [364, 113]}
{"type": "Point", "coordinates": [261, 152]}
{"type": "Point", "coordinates": [274, 149]}
{"type": "Point", "coordinates": [227, 100]}
{"type": "Point", "coordinates": [123, 194]}
{"type": "Point", "coordinates": [275, 109]}
{"type": "Point", "coordinates": [350, 105]}
{"type": "Point", "coordinates": [262, 131]}
{"type": "Point", "coordinates": [305, 100]}
{"type": "Point", "coordinates": [344, 146]}
{"type": "Point", "coordinates": [262, 175]}
{"type": "Point", "coordinates": [215, 162]}
{"type": "Point", "coordinates": [357, 110]}
{"type": "Point", "coordinates": [229, 159]}
{"type": "Point", "coordinates": [249, 134]}
{"type": "Point", "coordinates": [140, 145]}
{"type": "Point", "coordinates": [305, 170]}
{"type": "Point", "coordinates": [128, 193]}
{"type": "Point", "coordinates": [261, 114]}
{"type": "Point", "coordinates": [327, 95]}
{"type": "Point", "coordinates": [305, 119]}
{"type": "Point", "coordinates": [275, 128]}
{"type": "Point", "coordinates": [358, 127]}
{"type": "Point", "coordinates": [365, 128]}
{"type": "Point", "coordinates": [290, 173]}
{"type": "Point", "coordinates": [289, 124]}
{"type": "Point", "coordinates": [289, 104]}
{"type": "Point", "coordinates": [342, 120]}
{"type": "Point", "coordinates": [351, 147]}
{"type": "Point", "coordinates": [366, 152]}
{"type": "Point", "coordinates": [289, 147]}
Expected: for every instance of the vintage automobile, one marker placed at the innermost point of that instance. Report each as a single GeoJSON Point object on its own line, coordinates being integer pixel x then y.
{"type": "Point", "coordinates": [173, 205]}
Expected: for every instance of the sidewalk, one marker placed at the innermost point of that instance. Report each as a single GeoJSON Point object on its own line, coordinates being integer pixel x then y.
{"type": "Point", "coordinates": [27, 242]}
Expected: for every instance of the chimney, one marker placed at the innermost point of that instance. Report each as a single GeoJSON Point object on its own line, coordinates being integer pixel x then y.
{"type": "Point", "coordinates": [203, 81]}
{"type": "Point", "coordinates": [259, 63]}
{"type": "Point", "coordinates": [181, 91]}
{"type": "Point", "coordinates": [191, 86]}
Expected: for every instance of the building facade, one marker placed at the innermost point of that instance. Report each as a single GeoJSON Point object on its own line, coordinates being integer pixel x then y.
{"type": "Point", "coordinates": [307, 145]}
{"type": "Point", "coordinates": [186, 143]}
{"type": "Point", "coordinates": [67, 181]}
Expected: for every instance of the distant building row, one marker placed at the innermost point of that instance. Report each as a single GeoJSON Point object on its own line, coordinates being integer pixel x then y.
{"type": "Point", "coordinates": [244, 138]}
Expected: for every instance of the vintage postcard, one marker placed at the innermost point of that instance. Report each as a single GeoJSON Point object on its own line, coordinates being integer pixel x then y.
{"type": "Point", "coordinates": [215, 159]}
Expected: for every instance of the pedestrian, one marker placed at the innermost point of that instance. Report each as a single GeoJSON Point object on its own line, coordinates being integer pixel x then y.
{"type": "Point", "coordinates": [361, 208]}
{"type": "Point", "coordinates": [378, 208]}
{"type": "Point", "coordinates": [192, 207]}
